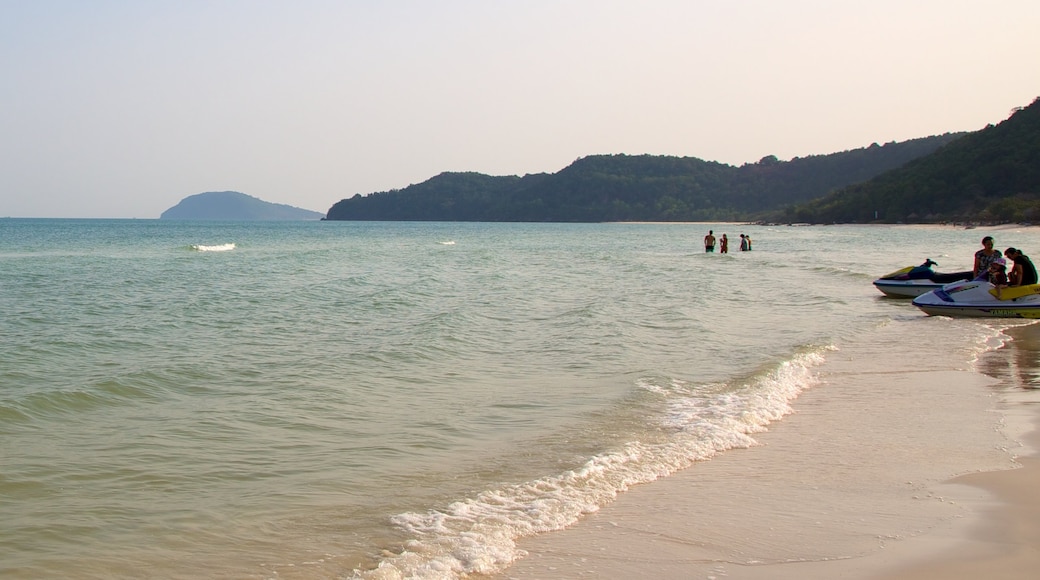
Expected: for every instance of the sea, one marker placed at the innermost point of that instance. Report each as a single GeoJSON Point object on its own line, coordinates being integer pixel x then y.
{"type": "Point", "coordinates": [188, 399]}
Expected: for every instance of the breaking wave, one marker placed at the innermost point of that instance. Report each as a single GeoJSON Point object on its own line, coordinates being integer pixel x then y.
{"type": "Point", "coordinates": [217, 248]}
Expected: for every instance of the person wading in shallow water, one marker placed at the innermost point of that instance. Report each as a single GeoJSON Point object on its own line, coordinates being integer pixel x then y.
{"type": "Point", "coordinates": [709, 241]}
{"type": "Point", "coordinates": [724, 245]}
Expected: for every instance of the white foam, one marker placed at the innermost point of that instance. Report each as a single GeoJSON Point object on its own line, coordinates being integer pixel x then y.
{"type": "Point", "coordinates": [218, 248]}
{"type": "Point", "coordinates": [478, 535]}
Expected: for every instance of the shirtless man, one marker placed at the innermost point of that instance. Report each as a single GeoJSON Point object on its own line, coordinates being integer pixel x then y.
{"type": "Point", "coordinates": [709, 241]}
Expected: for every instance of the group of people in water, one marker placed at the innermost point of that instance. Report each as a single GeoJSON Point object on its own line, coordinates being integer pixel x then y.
{"type": "Point", "coordinates": [991, 265]}
{"type": "Point", "coordinates": [709, 243]}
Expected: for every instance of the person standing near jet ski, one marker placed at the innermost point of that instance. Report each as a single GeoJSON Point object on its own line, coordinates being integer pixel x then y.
{"type": "Point", "coordinates": [1024, 272]}
{"type": "Point", "coordinates": [984, 257]}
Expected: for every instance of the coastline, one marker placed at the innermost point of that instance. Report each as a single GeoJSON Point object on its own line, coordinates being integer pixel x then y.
{"type": "Point", "coordinates": [769, 512]}
{"type": "Point", "coordinates": [1003, 540]}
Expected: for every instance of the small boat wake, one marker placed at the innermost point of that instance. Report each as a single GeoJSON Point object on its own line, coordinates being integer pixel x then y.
{"type": "Point", "coordinates": [218, 248]}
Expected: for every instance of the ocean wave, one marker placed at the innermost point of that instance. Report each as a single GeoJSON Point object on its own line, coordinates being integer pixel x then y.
{"type": "Point", "coordinates": [72, 402]}
{"type": "Point", "coordinates": [478, 535]}
{"type": "Point", "coordinates": [9, 415]}
{"type": "Point", "coordinates": [217, 248]}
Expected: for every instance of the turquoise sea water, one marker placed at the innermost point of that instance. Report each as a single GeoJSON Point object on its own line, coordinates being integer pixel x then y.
{"type": "Point", "coordinates": [336, 399]}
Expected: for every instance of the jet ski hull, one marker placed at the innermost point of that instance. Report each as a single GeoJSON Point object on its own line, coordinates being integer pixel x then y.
{"type": "Point", "coordinates": [979, 299]}
{"type": "Point", "coordinates": [905, 288]}
{"type": "Point", "coordinates": [914, 281]}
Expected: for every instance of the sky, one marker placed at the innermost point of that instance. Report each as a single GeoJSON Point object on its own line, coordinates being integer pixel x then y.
{"type": "Point", "coordinates": [121, 108]}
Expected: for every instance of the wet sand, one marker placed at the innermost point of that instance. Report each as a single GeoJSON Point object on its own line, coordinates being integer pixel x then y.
{"type": "Point", "coordinates": [1003, 542]}
{"type": "Point", "coordinates": [869, 501]}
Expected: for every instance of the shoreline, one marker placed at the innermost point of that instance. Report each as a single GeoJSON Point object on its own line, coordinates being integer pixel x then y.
{"type": "Point", "coordinates": [751, 514]}
{"type": "Point", "coordinates": [1002, 540]}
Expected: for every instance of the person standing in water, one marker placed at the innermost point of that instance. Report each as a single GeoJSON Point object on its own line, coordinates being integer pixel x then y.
{"type": "Point", "coordinates": [724, 245]}
{"type": "Point", "coordinates": [709, 241]}
{"type": "Point", "coordinates": [744, 246]}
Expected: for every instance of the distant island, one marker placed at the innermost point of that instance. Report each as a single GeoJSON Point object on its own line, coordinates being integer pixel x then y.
{"type": "Point", "coordinates": [235, 206]}
{"type": "Point", "coordinates": [987, 176]}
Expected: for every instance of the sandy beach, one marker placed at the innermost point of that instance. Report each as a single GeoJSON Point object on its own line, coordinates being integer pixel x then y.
{"type": "Point", "coordinates": [875, 507]}
{"type": "Point", "coordinates": [1003, 539]}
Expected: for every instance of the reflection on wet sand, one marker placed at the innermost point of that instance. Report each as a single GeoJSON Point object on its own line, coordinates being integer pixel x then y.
{"type": "Point", "coordinates": [1017, 363]}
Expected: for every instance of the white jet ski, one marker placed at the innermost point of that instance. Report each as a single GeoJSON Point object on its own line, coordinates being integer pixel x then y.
{"type": "Point", "coordinates": [980, 298]}
{"type": "Point", "coordinates": [917, 280]}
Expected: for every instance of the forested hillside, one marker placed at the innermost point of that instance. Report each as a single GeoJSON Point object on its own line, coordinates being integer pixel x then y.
{"type": "Point", "coordinates": [992, 175]}
{"type": "Point", "coordinates": [635, 188]}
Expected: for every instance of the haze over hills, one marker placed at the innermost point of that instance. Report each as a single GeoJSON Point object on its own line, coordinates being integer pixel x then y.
{"type": "Point", "coordinates": [992, 175]}
{"type": "Point", "coordinates": [232, 205]}
{"type": "Point", "coordinates": [636, 188]}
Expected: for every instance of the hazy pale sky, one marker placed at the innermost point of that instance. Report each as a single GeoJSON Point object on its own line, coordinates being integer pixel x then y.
{"type": "Point", "coordinates": [121, 108]}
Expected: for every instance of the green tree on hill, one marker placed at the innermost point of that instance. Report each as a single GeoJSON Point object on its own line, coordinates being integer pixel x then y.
{"type": "Point", "coordinates": [634, 188]}
{"type": "Point", "coordinates": [992, 175]}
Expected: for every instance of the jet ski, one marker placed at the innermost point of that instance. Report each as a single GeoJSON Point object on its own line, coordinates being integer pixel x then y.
{"type": "Point", "coordinates": [980, 298]}
{"type": "Point", "coordinates": [917, 280]}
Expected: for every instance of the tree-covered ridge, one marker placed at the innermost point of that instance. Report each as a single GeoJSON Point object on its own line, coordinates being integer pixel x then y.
{"type": "Point", "coordinates": [992, 175]}
{"type": "Point", "coordinates": [635, 188]}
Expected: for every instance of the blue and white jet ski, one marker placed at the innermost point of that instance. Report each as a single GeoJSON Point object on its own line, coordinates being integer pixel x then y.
{"type": "Point", "coordinates": [980, 298]}
{"type": "Point", "coordinates": [917, 280]}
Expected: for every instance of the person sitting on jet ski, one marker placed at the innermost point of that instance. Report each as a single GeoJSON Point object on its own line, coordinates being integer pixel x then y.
{"type": "Point", "coordinates": [1024, 272]}
{"type": "Point", "coordinates": [985, 256]}
{"type": "Point", "coordinates": [993, 272]}
{"type": "Point", "coordinates": [997, 275]}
